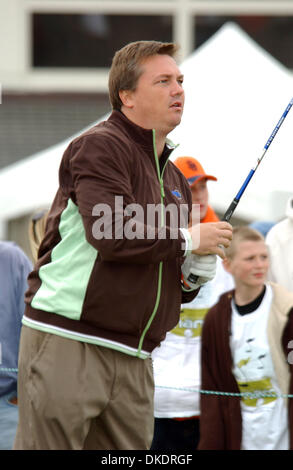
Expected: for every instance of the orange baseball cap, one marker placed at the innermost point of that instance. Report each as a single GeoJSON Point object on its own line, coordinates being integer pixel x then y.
{"type": "Point", "coordinates": [192, 170]}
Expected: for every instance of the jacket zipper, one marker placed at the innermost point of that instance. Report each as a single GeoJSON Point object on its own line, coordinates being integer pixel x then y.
{"type": "Point", "coordinates": [160, 178]}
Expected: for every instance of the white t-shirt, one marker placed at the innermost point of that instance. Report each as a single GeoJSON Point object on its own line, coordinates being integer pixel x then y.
{"type": "Point", "coordinates": [264, 420]}
{"type": "Point", "coordinates": [176, 361]}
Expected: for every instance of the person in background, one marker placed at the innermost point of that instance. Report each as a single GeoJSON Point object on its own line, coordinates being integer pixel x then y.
{"type": "Point", "coordinates": [280, 242]}
{"type": "Point", "coordinates": [197, 180]}
{"type": "Point", "coordinates": [14, 269]}
{"type": "Point", "coordinates": [262, 226]}
{"type": "Point", "coordinates": [176, 360]}
{"type": "Point", "coordinates": [247, 348]}
{"type": "Point", "coordinates": [36, 231]}
{"type": "Point", "coordinates": [107, 285]}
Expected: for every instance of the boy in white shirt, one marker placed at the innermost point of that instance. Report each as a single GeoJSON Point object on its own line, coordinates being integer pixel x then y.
{"type": "Point", "coordinates": [245, 348]}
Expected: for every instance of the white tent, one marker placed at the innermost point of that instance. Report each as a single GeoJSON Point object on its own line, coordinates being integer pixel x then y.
{"type": "Point", "coordinates": [31, 183]}
{"type": "Point", "coordinates": [235, 95]}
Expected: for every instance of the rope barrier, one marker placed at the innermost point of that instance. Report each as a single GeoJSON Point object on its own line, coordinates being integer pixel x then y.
{"type": "Point", "coordinates": [251, 395]}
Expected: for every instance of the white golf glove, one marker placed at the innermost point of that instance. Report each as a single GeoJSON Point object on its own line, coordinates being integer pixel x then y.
{"type": "Point", "coordinates": [198, 269]}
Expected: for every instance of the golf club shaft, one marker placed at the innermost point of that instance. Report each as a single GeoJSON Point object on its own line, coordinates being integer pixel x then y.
{"type": "Point", "coordinates": [229, 212]}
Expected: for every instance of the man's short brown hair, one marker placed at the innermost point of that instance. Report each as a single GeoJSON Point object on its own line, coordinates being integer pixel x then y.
{"type": "Point", "coordinates": [125, 70]}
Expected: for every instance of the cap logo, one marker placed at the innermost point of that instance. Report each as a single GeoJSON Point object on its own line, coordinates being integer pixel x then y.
{"type": "Point", "coordinates": [192, 165]}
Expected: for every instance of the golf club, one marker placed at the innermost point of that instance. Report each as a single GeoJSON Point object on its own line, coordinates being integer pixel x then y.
{"type": "Point", "coordinates": [229, 212]}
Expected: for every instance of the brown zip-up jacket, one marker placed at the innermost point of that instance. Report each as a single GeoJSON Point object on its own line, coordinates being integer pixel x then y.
{"type": "Point", "coordinates": [221, 422]}
{"type": "Point", "coordinates": [113, 290]}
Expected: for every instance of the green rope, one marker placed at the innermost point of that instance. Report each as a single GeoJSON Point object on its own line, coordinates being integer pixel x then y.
{"type": "Point", "coordinates": [256, 394]}
{"type": "Point", "coordinates": [251, 395]}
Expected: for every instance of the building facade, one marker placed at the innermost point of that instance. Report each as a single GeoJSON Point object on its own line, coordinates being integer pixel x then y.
{"type": "Point", "coordinates": [55, 56]}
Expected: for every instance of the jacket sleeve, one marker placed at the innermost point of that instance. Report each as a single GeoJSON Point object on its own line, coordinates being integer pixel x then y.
{"type": "Point", "coordinates": [211, 419]}
{"type": "Point", "coordinates": [101, 171]}
{"type": "Point", "coordinates": [287, 343]}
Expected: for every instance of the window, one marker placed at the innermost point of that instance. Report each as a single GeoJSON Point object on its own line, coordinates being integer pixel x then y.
{"type": "Point", "coordinates": [273, 33]}
{"type": "Point", "coordinates": [74, 40]}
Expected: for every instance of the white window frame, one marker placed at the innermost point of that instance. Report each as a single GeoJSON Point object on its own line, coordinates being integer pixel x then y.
{"type": "Point", "coordinates": [184, 12]}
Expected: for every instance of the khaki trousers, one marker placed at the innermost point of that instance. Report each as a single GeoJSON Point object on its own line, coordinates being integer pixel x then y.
{"type": "Point", "coordinates": [75, 395]}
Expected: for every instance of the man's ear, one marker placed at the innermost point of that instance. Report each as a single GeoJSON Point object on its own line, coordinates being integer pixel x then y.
{"type": "Point", "coordinates": [126, 98]}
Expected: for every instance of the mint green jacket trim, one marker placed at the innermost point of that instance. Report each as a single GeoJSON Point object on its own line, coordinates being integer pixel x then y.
{"type": "Point", "coordinates": [161, 263]}
{"type": "Point", "coordinates": [65, 278]}
{"type": "Point", "coordinates": [98, 341]}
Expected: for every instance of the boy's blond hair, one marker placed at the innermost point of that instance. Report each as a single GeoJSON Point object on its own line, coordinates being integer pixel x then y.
{"type": "Point", "coordinates": [242, 234]}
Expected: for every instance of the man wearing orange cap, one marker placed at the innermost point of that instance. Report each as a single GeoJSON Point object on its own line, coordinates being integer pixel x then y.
{"type": "Point", "coordinates": [177, 360]}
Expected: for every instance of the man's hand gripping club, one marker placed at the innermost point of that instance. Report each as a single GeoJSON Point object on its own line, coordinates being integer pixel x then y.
{"type": "Point", "coordinates": [208, 240]}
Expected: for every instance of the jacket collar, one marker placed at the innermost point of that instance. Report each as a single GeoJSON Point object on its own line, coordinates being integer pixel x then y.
{"type": "Point", "coordinates": [141, 136]}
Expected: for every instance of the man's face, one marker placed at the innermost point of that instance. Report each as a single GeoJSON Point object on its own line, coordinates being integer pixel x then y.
{"type": "Point", "coordinates": [157, 103]}
{"type": "Point", "coordinates": [249, 265]}
{"type": "Point", "coordinates": [200, 196]}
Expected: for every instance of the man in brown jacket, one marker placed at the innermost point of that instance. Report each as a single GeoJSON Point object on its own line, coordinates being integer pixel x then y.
{"type": "Point", "coordinates": [107, 285]}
